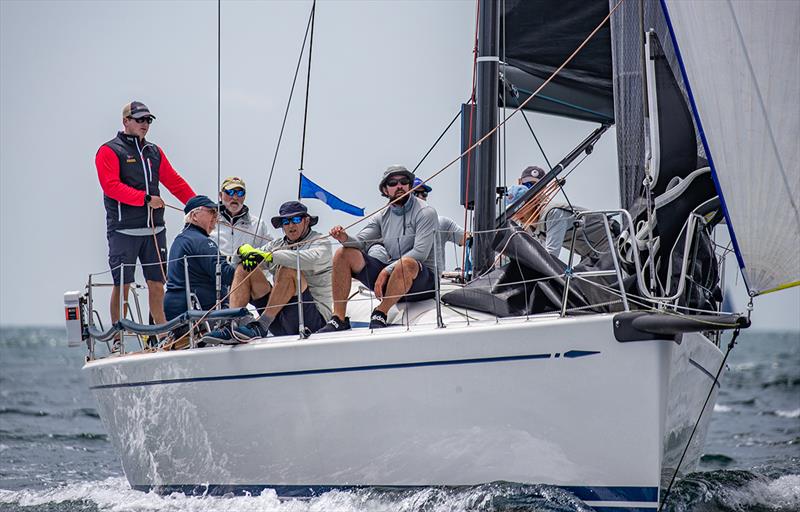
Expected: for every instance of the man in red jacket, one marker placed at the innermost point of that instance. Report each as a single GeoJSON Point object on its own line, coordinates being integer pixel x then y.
{"type": "Point", "coordinates": [130, 170]}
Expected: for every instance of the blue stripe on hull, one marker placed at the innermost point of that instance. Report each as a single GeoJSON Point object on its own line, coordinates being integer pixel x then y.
{"type": "Point", "coordinates": [569, 354]}
{"type": "Point", "coordinates": [584, 493]}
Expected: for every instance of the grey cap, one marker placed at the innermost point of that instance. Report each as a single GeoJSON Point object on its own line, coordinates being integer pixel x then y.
{"type": "Point", "coordinates": [136, 110]}
{"type": "Point", "coordinates": [394, 170]}
{"type": "Point", "coordinates": [531, 174]}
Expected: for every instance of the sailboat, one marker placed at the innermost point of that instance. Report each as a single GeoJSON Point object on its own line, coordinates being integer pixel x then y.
{"type": "Point", "coordinates": [595, 376]}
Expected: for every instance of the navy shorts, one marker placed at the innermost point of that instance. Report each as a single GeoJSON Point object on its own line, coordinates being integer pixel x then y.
{"type": "Point", "coordinates": [128, 248]}
{"type": "Point", "coordinates": [288, 320]}
{"type": "Point", "coordinates": [422, 287]}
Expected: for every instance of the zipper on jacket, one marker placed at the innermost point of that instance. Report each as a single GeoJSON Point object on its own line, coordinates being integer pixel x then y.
{"type": "Point", "coordinates": [144, 168]}
{"type": "Point", "coordinates": [119, 211]}
{"type": "Point", "coordinates": [150, 170]}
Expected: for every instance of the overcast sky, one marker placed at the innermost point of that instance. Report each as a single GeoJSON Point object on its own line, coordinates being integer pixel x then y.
{"type": "Point", "coordinates": [386, 79]}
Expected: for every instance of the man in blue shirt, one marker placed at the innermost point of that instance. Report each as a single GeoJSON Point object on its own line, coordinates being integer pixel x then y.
{"type": "Point", "coordinates": [200, 252]}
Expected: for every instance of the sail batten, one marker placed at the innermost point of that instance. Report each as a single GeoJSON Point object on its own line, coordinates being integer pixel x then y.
{"type": "Point", "coordinates": [741, 63]}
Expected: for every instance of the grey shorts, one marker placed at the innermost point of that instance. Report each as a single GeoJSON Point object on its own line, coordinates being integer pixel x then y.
{"type": "Point", "coordinates": [128, 248]}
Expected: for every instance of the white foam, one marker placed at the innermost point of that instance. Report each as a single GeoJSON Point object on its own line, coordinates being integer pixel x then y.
{"type": "Point", "coordinates": [115, 495]}
{"type": "Point", "coordinates": [788, 414]}
{"type": "Point", "coordinates": [722, 408]}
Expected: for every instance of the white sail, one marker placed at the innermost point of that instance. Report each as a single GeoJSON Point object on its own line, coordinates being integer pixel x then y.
{"type": "Point", "coordinates": [742, 62]}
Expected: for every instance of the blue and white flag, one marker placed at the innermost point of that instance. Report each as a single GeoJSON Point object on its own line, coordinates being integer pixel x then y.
{"type": "Point", "coordinates": [311, 190]}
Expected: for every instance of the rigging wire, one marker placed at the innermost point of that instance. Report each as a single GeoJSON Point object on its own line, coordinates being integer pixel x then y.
{"type": "Point", "coordinates": [308, 86]}
{"type": "Point", "coordinates": [285, 116]}
{"type": "Point", "coordinates": [458, 114]}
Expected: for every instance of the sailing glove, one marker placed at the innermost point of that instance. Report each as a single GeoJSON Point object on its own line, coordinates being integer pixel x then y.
{"type": "Point", "coordinates": [254, 258]}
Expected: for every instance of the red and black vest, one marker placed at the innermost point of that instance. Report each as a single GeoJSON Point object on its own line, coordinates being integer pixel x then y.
{"type": "Point", "coordinates": [139, 162]}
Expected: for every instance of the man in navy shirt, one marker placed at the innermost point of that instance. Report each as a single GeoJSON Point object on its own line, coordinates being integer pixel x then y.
{"type": "Point", "coordinates": [200, 252]}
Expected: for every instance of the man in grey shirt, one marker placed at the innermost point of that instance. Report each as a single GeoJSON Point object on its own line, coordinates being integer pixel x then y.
{"type": "Point", "coordinates": [406, 229]}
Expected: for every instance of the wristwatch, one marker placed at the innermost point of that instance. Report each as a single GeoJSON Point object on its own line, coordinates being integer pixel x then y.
{"type": "Point", "coordinates": [147, 199]}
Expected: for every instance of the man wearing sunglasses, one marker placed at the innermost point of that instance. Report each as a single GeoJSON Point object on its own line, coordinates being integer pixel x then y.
{"type": "Point", "coordinates": [406, 229]}
{"type": "Point", "coordinates": [131, 170]}
{"type": "Point", "coordinates": [279, 299]}
{"type": "Point", "coordinates": [236, 226]}
{"type": "Point", "coordinates": [200, 251]}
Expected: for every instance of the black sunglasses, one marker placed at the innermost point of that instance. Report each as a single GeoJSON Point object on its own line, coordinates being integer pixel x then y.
{"type": "Point", "coordinates": [399, 181]}
{"type": "Point", "coordinates": [239, 192]}
{"type": "Point", "coordinates": [421, 193]}
{"type": "Point", "coordinates": [148, 120]}
{"type": "Point", "coordinates": [297, 219]}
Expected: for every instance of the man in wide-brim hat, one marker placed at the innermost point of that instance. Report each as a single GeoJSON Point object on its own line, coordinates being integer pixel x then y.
{"type": "Point", "coordinates": [299, 245]}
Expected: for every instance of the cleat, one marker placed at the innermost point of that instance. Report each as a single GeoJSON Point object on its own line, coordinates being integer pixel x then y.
{"type": "Point", "coordinates": [336, 324]}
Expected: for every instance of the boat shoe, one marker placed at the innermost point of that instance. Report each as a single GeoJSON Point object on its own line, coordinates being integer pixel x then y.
{"type": "Point", "coordinates": [336, 324]}
{"type": "Point", "coordinates": [377, 320]}
{"type": "Point", "coordinates": [228, 335]}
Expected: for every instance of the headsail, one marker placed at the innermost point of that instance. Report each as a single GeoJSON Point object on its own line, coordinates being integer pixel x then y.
{"type": "Point", "coordinates": [742, 66]}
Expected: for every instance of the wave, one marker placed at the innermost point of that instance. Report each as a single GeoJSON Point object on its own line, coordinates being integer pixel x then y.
{"type": "Point", "coordinates": [794, 413]}
{"type": "Point", "coordinates": [22, 412]}
{"type": "Point", "coordinates": [724, 489]}
{"type": "Point", "coordinates": [115, 494]}
{"type": "Point", "coordinates": [735, 490]}
{"type": "Point", "coordinates": [33, 438]}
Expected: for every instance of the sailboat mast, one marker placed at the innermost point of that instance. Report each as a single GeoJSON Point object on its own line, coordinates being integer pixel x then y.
{"type": "Point", "coordinates": [486, 108]}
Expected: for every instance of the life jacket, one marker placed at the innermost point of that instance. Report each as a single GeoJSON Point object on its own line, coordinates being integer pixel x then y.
{"type": "Point", "coordinates": [139, 163]}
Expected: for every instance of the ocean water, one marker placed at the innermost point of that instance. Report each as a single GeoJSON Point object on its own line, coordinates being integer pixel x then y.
{"type": "Point", "coordinates": [56, 457]}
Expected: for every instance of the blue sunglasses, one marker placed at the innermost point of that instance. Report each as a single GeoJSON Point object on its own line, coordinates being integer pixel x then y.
{"type": "Point", "coordinates": [297, 219]}
{"type": "Point", "coordinates": [239, 192]}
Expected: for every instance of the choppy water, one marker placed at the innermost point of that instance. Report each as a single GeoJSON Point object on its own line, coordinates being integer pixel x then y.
{"type": "Point", "coordinates": [56, 457]}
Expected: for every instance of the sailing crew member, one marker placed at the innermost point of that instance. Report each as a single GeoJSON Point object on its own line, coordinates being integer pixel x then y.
{"type": "Point", "coordinates": [200, 252]}
{"type": "Point", "coordinates": [300, 244]}
{"type": "Point", "coordinates": [448, 231]}
{"type": "Point", "coordinates": [236, 226]}
{"type": "Point", "coordinates": [130, 169]}
{"type": "Point", "coordinates": [556, 221]}
{"type": "Point", "coordinates": [407, 229]}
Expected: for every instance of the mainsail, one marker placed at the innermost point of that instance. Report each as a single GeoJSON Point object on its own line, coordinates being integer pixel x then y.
{"type": "Point", "coordinates": [741, 60]}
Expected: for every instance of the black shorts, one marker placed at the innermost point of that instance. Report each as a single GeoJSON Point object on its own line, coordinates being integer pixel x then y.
{"type": "Point", "coordinates": [422, 287]}
{"type": "Point", "coordinates": [288, 320]}
{"type": "Point", "coordinates": [128, 248]}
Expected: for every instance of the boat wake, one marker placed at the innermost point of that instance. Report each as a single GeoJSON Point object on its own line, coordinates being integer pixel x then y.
{"type": "Point", "coordinates": [716, 490]}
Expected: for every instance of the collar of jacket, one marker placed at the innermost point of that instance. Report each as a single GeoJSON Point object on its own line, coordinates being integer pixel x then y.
{"type": "Point", "coordinates": [131, 139]}
{"type": "Point", "coordinates": [235, 218]}
{"type": "Point", "coordinates": [303, 237]}
{"type": "Point", "coordinates": [402, 210]}
{"type": "Point", "coordinates": [196, 227]}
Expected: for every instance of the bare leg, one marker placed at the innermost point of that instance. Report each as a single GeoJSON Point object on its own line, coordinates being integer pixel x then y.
{"type": "Point", "coordinates": [255, 287]}
{"type": "Point", "coordinates": [155, 297]}
{"type": "Point", "coordinates": [346, 262]}
{"type": "Point", "coordinates": [285, 288]}
{"type": "Point", "coordinates": [114, 308]}
{"type": "Point", "coordinates": [399, 283]}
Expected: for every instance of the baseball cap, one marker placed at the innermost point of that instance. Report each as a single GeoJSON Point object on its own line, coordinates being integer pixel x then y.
{"type": "Point", "coordinates": [232, 182]}
{"type": "Point", "coordinates": [531, 174]}
{"type": "Point", "coordinates": [136, 110]}
{"type": "Point", "coordinates": [197, 202]}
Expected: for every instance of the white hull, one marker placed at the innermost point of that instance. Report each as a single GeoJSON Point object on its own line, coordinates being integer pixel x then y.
{"type": "Point", "coordinates": [544, 400]}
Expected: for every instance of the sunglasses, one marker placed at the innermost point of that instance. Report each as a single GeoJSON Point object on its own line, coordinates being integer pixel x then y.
{"type": "Point", "coordinates": [238, 192]}
{"type": "Point", "coordinates": [297, 219]}
{"type": "Point", "coordinates": [211, 211]}
{"type": "Point", "coordinates": [395, 182]}
{"type": "Point", "coordinates": [148, 120]}
{"type": "Point", "coordinates": [422, 194]}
